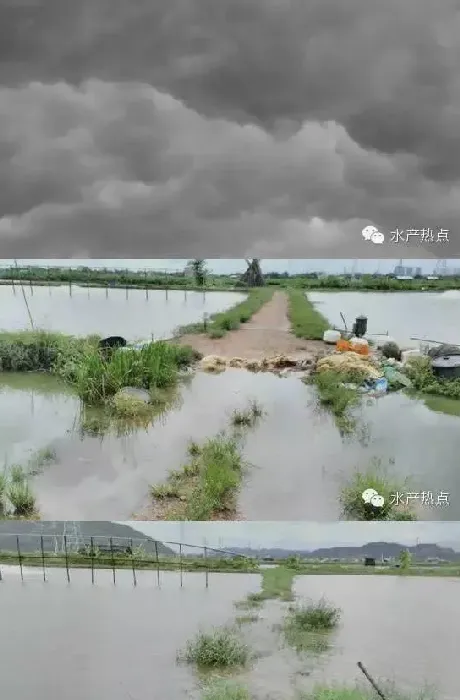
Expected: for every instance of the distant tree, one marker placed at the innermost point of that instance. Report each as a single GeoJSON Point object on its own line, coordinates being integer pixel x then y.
{"type": "Point", "coordinates": [405, 559]}
{"type": "Point", "coordinates": [199, 271]}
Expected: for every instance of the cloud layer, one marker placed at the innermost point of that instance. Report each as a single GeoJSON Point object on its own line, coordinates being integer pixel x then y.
{"type": "Point", "coordinates": [229, 128]}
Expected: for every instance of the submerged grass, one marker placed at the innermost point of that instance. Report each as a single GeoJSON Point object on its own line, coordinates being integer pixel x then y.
{"type": "Point", "coordinates": [337, 395]}
{"type": "Point", "coordinates": [306, 321]}
{"type": "Point", "coordinates": [219, 649]}
{"type": "Point", "coordinates": [308, 627]}
{"type": "Point", "coordinates": [276, 584]}
{"type": "Point", "coordinates": [220, 323]}
{"type": "Point", "coordinates": [364, 692]}
{"type": "Point", "coordinates": [247, 418]}
{"type": "Point", "coordinates": [17, 499]}
{"type": "Point", "coordinates": [376, 477]}
{"type": "Point", "coordinates": [206, 487]}
{"type": "Point", "coordinates": [224, 689]}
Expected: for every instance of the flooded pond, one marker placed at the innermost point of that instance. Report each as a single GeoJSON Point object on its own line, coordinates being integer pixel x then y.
{"type": "Point", "coordinates": [118, 642]}
{"type": "Point", "coordinates": [132, 313]}
{"type": "Point", "coordinates": [299, 461]}
{"type": "Point", "coordinates": [431, 315]}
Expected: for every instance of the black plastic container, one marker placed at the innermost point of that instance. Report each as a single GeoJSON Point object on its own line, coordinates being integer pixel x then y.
{"type": "Point", "coordinates": [360, 326]}
{"type": "Point", "coordinates": [446, 367]}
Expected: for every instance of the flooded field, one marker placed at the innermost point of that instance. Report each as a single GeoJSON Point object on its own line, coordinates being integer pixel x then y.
{"type": "Point", "coordinates": [121, 642]}
{"type": "Point", "coordinates": [133, 313]}
{"type": "Point", "coordinates": [299, 461]}
{"type": "Point", "coordinates": [431, 315]}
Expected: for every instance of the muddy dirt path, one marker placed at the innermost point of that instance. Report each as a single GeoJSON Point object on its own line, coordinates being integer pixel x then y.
{"type": "Point", "coordinates": [267, 334]}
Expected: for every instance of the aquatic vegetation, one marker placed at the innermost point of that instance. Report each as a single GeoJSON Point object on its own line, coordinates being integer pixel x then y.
{"type": "Point", "coordinates": [17, 499]}
{"type": "Point", "coordinates": [376, 477]}
{"type": "Point", "coordinates": [249, 417]}
{"type": "Point", "coordinates": [207, 486]}
{"type": "Point", "coordinates": [220, 648]}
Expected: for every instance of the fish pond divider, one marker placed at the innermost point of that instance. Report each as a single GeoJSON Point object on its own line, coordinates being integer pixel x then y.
{"type": "Point", "coordinates": [115, 554]}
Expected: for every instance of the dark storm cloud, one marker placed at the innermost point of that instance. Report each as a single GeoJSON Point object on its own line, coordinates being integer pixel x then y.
{"type": "Point", "coordinates": [223, 128]}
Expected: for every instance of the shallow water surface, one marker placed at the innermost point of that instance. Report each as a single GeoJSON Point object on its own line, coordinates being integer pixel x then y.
{"type": "Point", "coordinates": [430, 315]}
{"type": "Point", "coordinates": [133, 313]}
{"type": "Point", "coordinates": [298, 460]}
{"type": "Point", "coordinates": [121, 641]}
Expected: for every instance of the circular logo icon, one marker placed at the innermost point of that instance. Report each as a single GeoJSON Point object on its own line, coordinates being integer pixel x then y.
{"type": "Point", "coordinates": [372, 497]}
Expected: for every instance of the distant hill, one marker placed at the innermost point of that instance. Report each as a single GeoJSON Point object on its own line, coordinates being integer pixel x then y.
{"type": "Point", "coordinates": [377, 550]}
{"type": "Point", "coordinates": [78, 535]}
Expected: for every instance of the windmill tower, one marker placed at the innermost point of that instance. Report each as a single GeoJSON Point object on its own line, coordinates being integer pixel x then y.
{"type": "Point", "coordinates": [253, 276]}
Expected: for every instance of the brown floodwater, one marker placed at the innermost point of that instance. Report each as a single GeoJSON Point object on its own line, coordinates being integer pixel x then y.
{"type": "Point", "coordinates": [298, 459]}
{"type": "Point", "coordinates": [119, 641]}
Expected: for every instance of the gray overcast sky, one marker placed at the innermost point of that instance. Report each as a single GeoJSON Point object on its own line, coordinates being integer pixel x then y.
{"type": "Point", "coordinates": [227, 127]}
{"type": "Point", "coordinates": [237, 265]}
{"type": "Point", "coordinates": [308, 535]}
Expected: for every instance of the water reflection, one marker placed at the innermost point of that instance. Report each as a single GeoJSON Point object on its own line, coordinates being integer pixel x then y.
{"type": "Point", "coordinates": [299, 461]}
{"type": "Point", "coordinates": [131, 313]}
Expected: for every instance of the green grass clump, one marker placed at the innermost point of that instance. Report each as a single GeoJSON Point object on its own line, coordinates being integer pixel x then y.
{"type": "Point", "coordinates": [221, 648]}
{"type": "Point", "coordinates": [315, 617]}
{"type": "Point", "coordinates": [95, 375]}
{"type": "Point", "coordinates": [419, 371]}
{"type": "Point", "coordinates": [247, 418]}
{"type": "Point", "coordinates": [223, 689]}
{"type": "Point", "coordinates": [40, 351]}
{"type": "Point", "coordinates": [155, 366]}
{"type": "Point", "coordinates": [374, 477]}
{"type": "Point", "coordinates": [336, 397]}
{"type": "Point", "coordinates": [17, 499]}
{"type": "Point", "coordinates": [306, 321]}
{"type": "Point", "coordinates": [206, 487]}
{"type": "Point", "coordinates": [219, 324]}
{"type": "Point", "coordinates": [307, 628]}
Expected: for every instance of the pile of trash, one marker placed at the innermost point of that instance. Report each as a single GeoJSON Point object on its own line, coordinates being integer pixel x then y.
{"type": "Point", "coordinates": [349, 362]}
{"type": "Point", "coordinates": [215, 363]}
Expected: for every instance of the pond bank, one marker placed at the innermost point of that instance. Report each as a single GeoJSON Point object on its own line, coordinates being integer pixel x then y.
{"type": "Point", "coordinates": [268, 334]}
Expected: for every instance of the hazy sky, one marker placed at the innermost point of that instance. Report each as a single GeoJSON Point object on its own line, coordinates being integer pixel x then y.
{"type": "Point", "coordinates": [237, 265]}
{"type": "Point", "coordinates": [308, 535]}
{"type": "Point", "coordinates": [228, 127]}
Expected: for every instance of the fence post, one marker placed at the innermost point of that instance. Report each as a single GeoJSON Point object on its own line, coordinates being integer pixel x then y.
{"type": "Point", "coordinates": [92, 555]}
{"type": "Point", "coordinates": [158, 564]}
{"type": "Point", "coordinates": [43, 557]}
{"type": "Point", "coordinates": [19, 557]}
{"type": "Point", "coordinates": [206, 566]}
{"type": "Point", "coordinates": [180, 566]}
{"type": "Point", "coordinates": [66, 559]}
{"type": "Point", "coordinates": [113, 561]}
{"type": "Point", "coordinates": [132, 564]}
